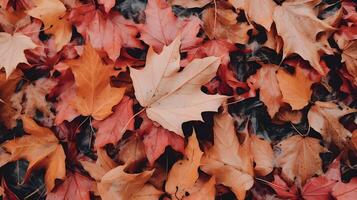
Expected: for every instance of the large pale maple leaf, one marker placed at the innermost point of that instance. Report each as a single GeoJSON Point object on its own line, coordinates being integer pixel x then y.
{"type": "Point", "coordinates": [172, 97]}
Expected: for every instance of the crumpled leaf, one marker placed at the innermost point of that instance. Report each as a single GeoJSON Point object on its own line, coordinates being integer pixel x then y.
{"type": "Point", "coordinates": [324, 118]}
{"type": "Point", "coordinates": [94, 95]}
{"type": "Point", "coordinates": [203, 190]}
{"type": "Point", "coordinates": [113, 127]}
{"type": "Point", "coordinates": [52, 13]}
{"type": "Point", "coordinates": [162, 27]}
{"type": "Point", "coordinates": [299, 158]}
{"type": "Point", "coordinates": [12, 50]}
{"type": "Point", "coordinates": [42, 149]}
{"type": "Point", "coordinates": [294, 20]}
{"type": "Point", "coordinates": [171, 97]}
{"type": "Point", "coordinates": [178, 182]}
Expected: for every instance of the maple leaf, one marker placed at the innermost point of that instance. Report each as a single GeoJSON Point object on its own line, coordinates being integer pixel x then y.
{"type": "Point", "coordinates": [229, 161]}
{"type": "Point", "coordinates": [253, 10]}
{"type": "Point", "coordinates": [191, 3]}
{"type": "Point", "coordinates": [282, 189]}
{"type": "Point", "coordinates": [318, 188]}
{"type": "Point", "coordinates": [76, 187]}
{"type": "Point", "coordinates": [94, 95]}
{"type": "Point", "coordinates": [294, 20]}
{"type": "Point", "coordinates": [324, 118]}
{"type": "Point", "coordinates": [177, 182]}
{"type": "Point", "coordinates": [156, 139]}
{"type": "Point", "coordinates": [12, 50]}
{"type": "Point", "coordinates": [105, 32]}
{"type": "Point", "coordinates": [126, 149]}
{"type": "Point", "coordinates": [222, 23]}
{"type": "Point", "coordinates": [116, 184]}
{"type": "Point", "coordinates": [162, 27]}
{"type": "Point", "coordinates": [295, 88]}
{"type": "Point", "coordinates": [172, 97]}
{"type": "Point", "coordinates": [40, 148]}
{"type": "Point", "coordinates": [269, 91]}
{"type": "Point", "coordinates": [299, 158]}
{"type": "Point", "coordinates": [52, 13]}
{"type": "Point", "coordinates": [112, 128]}
{"type": "Point", "coordinates": [112, 181]}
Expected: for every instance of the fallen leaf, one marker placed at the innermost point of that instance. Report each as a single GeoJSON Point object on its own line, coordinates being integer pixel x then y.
{"type": "Point", "coordinates": [94, 95]}
{"type": "Point", "coordinates": [52, 13]}
{"type": "Point", "coordinates": [40, 148]}
{"type": "Point", "coordinates": [157, 138]}
{"type": "Point", "coordinates": [227, 159]}
{"type": "Point", "coordinates": [222, 23]}
{"type": "Point", "coordinates": [162, 27]}
{"type": "Point", "coordinates": [295, 88]}
{"type": "Point", "coordinates": [203, 190]}
{"type": "Point", "coordinates": [171, 97]}
{"type": "Point", "coordinates": [349, 56]}
{"type": "Point", "coordinates": [132, 151]}
{"type": "Point", "coordinates": [98, 169]}
{"type": "Point", "coordinates": [282, 189]}
{"type": "Point", "coordinates": [113, 127]}
{"type": "Point", "coordinates": [294, 20]}
{"type": "Point", "coordinates": [105, 32]}
{"type": "Point", "coordinates": [119, 185]}
{"type": "Point", "coordinates": [318, 188]}
{"type": "Point", "coordinates": [269, 91]}
{"type": "Point", "coordinates": [324, 118]}
{"type": "Point", "coordinates": [345, 191]}
{"type": "Point", "coordinates": [148, 192]}
{"type": "Point", "coordinates": [177, 182]}
{"type": "Point", "coordinates": [254, 11]}
{"type": "Point", "coordinates": [76, 187]}
{"type": "Point", "coordinates": [12, 50]}
{"type": "Point", "coordinates": [263, 155]}
{"type": "Point", "coordinates": [191, 3]}
{"type": "Point", "coordinates": [299, 158]}
{"type": "Point", "coordinates": [108, 4]}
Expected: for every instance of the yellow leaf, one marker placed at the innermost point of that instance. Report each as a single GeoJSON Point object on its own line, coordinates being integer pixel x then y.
{"type": "Point", "coordinates": [299, 158]}
{"type": "Point", "coordinates": [184, 173]}
{"type": "Point", "coordinates": [12, 50]}
{"type": "Point", "coordinates": [94, 95]}
{"type": "Point", "coordinates": [42, 149]}
{"type": "Point", "coordinates": [172, 97]}
{"type": "Point", "coordinates": [52, 13]}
